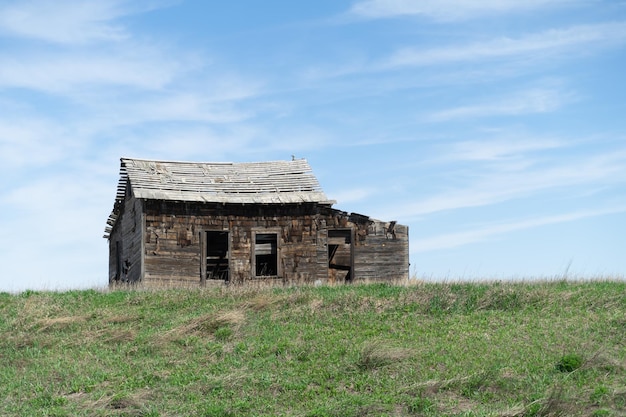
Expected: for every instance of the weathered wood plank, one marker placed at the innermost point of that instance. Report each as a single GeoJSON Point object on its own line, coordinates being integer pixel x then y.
{"type": "Point", "coordinates": [262, 182]}
{"type": "Point", "coordinates": [167, 237]}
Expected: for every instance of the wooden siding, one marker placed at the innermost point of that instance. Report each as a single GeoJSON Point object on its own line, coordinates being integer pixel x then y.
{"type": "Point", "coordinates": [381, 255]}
{"type": "Point", "coordinates": [125, 243]}
{"type": "Point", "coordinates": [173, 240]}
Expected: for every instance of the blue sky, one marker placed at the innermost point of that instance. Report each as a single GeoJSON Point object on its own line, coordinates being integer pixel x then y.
{"type": "Point", "coordinates": [494, 128]}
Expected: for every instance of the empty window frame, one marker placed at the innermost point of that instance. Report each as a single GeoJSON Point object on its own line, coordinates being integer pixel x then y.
{"type": "Point", "coordinates": [216, 259]}
{"type": "Point", "coordinates": [265, 254]}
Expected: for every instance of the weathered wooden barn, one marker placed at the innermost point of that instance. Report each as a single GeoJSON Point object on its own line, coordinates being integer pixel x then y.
{"type": "Point", "coordinates": [186, 223]}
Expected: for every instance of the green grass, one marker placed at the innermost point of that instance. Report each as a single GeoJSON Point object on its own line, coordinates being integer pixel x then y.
{"type": "Point", "coordinates": [497, 349]}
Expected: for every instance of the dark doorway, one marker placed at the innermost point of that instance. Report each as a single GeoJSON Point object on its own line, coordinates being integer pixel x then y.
{"type": "Point", "coordinates": [266, 254]}
{"type": "Point", "coordinates": [340, 255]}
{"type": "Point", "coordinates": [216, 256]}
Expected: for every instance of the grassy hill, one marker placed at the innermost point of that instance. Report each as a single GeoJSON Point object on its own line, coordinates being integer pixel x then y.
{"type": "Point", "coordinates": [499, 349]}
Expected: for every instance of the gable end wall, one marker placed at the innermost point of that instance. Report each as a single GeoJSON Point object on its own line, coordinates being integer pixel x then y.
{"type": "Point", "coordinates": [125, 243]}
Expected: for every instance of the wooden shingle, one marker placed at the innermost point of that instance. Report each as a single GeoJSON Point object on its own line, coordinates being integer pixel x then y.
{"type": "Point", "coordinates": [274, 182]}
{"type": "Point", "coordinates": [277, 182]}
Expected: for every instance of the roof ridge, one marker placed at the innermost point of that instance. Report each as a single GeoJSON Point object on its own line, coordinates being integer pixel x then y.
{"type": "Point", "coordinates": [212, 162]}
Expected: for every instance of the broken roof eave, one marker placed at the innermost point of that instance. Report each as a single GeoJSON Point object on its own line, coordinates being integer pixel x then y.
{"type": "Point", "coordinates": [234, 198]}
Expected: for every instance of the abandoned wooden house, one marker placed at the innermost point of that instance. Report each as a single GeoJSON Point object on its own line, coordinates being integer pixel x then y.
{"type": "Point", "coordinates": [186, 223]}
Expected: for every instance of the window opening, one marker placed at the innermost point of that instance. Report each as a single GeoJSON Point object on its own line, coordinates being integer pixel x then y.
{"type": "Point", "coordinates": [266, 254]}
{"type": "Point", "coordinates": [217, 255]}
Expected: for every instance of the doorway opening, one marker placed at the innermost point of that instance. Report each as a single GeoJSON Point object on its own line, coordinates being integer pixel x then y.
{"type": "Point", "coordinates": [266, 255]}
{"type": "Point", "coordinates": [216, 262]}
{"type": "Point", "coordinates": [340, 255]}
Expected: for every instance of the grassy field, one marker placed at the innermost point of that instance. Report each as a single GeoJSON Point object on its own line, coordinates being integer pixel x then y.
{"type": "Point", "coordinates": [497, 349]}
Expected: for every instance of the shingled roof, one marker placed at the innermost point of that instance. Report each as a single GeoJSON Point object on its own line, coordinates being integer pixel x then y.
{"type": "Point", "coordinates": [276, 182]}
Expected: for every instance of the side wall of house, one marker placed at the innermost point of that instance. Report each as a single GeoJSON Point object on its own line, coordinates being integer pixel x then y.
{"type": "Point", "coordinates": [125, 244]}
{"type": "Point", "coordinates": [382, 254]}
{"type": "Point", "coordinates": [173, 240]}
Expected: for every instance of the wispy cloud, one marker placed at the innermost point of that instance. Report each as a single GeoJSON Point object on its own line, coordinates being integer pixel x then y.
{"type": "Point", "coordinates": [80, 47]}
{"type": "Point", "coordinates": [448, 10]}
{"type": "Point", "coordinates": [30, 141]}
{"type": "Point", "coordinates": [189, 142]}
{"type": "Point", "coordinates": [187, 106]}
{"type": "Point", "coordinates": [490, 58]}
{"type": "Point", "coordinates": [487, 186]}
{"type": "Point", "coordinates": [550, 42]}
{"type": "Point", "coordinates": [61, 72]}
{"type": "Point", "coordinates": [500, 149]}
{"type": "Point", "coordinates": [69, 21]}
{"type": "Point", "coordinates": [535, 100]}
{"type": "Point", "coordinates": [453, 240]}
{"type": "Point", "coordinates": [78, 196]}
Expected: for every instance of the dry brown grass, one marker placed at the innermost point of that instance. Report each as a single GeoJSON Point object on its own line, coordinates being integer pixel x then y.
{"type": "Point", "coordinates": [207, 324]}
{"type": "Point", "coordinates": [434, 386]}
{"type": "Point", "coordinates": [56, 323]}
{"type": "Point", "coordinates": [375, 354]}
{"type": "Point", "coordinates": [130, 405]}
{"type": "Point", "coordinates": [604, 360]}
{"type": "Point", "coordinates": [261, 301]}
{"type": "Point", "coordinates": [110, 336]}
{"type": "Point", "coordinates": [122, 318]}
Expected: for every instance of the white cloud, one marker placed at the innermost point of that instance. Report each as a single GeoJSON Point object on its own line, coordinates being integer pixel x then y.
{"type": "Point", "coordinates": [181, 107]}
{"type": "Point", "coordinates": [490, 58]}
{"type": "Point", "coordinates": [495, 150]}
{"type": "Point", "coordinates": [69, 21]}
{"type": "Point", "coordinates": [448, 10]}
{"type": "Point", "coordinates": [549, 42]}
{"type": "Point", "coordinates": [536, 100]}
{"type": "Point", "coordinates": [218, 100]}
{"type": "Point", "coordinates": [30, 141]}
{"type": "Point", "coordinates": [60, 73]}
{"type": "Point", "coordinates": [453, 240]}
{"type": "Point", "coordinates": [87, 51]}
{"type": "Point", "coordinates": [59, 216]}
{"type": "Point", "coordinates": [500, 149]}
{"type": "Point", "coordinates": [193, 143]}
{"type": "Point", "coordinates": [483, 187]}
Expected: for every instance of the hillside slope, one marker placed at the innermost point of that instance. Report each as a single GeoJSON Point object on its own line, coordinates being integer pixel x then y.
{"type": "Point", "coordinates": [498, 349]}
